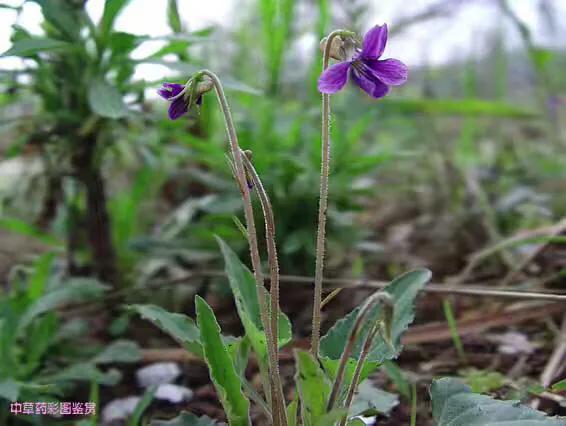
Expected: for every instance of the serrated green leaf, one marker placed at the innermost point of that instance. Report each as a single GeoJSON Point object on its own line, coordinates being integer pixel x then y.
{"type": "Point", "coordinates": [243, 287]}
{"type": "Point", "coordinates": [185, 419]}
{"type": "Point", "coordinates": [221, 368]}
{"type": "Point", "coordinates": [75, 290]}
{"type": "Point", "coordinates": [106, 100]}
{"type": "Point", "coordinates": [32, 46]}
{"type": "Point", "coordinates": [454, 403]}
{"type": "Point", "coordinates": [180, 327]}
{"type": "Point", "coordinates": [559, 386]}
{"type": "Point", "coordinates": [404, 290]}
{"type": "Point", "coordinates": [313, 387]}
{"type": "Point", "coordinates": [370, 400]}
{"type": "Point", "coordinates": [119, 351]}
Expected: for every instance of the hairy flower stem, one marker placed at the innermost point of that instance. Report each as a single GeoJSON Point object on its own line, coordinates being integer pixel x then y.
{"type": "Point", "coordinates": [252, 235]}
{"type": "Point", "coordinates": [358, 371]}
{"type": "Point", "coordinates": [274, 274]}
{"type": "Point", "coordinates": [379, 297]}
{"type": "Point", "coordinates": [323, 203]}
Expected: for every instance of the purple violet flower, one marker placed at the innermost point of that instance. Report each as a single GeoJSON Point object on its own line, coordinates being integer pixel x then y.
{"type": "Point", "coordinates": [371, 74]}
{"type": "Point", "coordinates": [179, 101]}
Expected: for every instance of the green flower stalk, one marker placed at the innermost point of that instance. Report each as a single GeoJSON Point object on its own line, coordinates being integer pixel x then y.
{"type": "Point", "coordinates": [255, 182]}
{"type": "Point", "coordinates": [182, 98]}
{"type": "Point", "coordinates": [379, 298]}
{"type": "Point", "coordinates": [323, 198]}
{"type": "Point", "coordinates": [362, 64]}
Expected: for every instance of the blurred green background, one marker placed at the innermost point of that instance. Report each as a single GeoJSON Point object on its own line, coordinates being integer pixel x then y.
{"type": "Point", "coordinates": [103, 198]}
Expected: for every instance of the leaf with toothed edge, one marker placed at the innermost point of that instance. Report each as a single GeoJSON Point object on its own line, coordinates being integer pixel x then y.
{"type": "Point", "coordinates": [454, 403]}
{"type": "Point", "coordinates": [180, 327]}
{"type": "Point", "coordinates": [404, 290]}
{"type": "Point", "coordinates": [221, 367]}
{"type": "Point", "coordinates": [244, 289]}
{"type": "Point", "coordinates": [33, 46]}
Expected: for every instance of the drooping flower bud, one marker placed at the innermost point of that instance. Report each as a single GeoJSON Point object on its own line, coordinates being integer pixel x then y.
{"type": "Point", "coordinates": [203, 85]}
{"type": "Point", "coordinates": [336, 49]}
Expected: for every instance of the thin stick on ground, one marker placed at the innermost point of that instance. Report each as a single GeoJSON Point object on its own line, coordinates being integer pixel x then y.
{"type": "Point", "coordinates": [555, 363]}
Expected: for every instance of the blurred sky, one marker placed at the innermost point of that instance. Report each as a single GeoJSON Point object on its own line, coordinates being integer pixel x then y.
{"type": "Point", "coordinates": [440, 40]}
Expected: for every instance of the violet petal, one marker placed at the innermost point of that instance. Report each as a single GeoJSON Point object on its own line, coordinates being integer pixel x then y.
{"type": "Point", "coordinates": [177, 108]}
{"type": "Point", "coordinates": [390, 71]}
{"type": "Point", "coordinates": [370, 84]}
{"type": "Point", "coordinates": [334, 78]}
{"type": "Point", "coordinates": [170, 90]}
{"type": "Point", "coordinates": [374, 42]}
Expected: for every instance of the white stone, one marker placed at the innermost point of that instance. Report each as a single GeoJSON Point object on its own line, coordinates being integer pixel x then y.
{"type": "Point", "coordinates": [173, 393]}
{"type": "Point", "coordinates": [119, 409]}
{"type": "Point", "coordinates": [157, 374]}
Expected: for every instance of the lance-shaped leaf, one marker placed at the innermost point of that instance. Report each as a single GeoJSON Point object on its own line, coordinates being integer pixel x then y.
{"type": "Point", "coordinates": [75, 290]}
{"type": "Point", "coordinates": [32, 46]}
{"type": "Point", "coordinates": [221, 367]}
{"type": "Point", "coordinates": [454, 403]}
{"type": "Point", "coordinates": [313, 387]}
{"type": "Point", "coordinates": [173, 18]}
{"type": "Point", "coordinates": [180, 327]}
{"type": "Point", "coordinates": [403, 290]}
{"type": "Point", "coordinates": [244, 289]}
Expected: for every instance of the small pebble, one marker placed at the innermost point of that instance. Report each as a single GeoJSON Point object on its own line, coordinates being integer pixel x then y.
{"type": "Point", "coordinates": [174, 394]}
{"type": "Point", "coordinates": [119, 409]}
{"type": "Point", "coordinates": [157, 374]}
